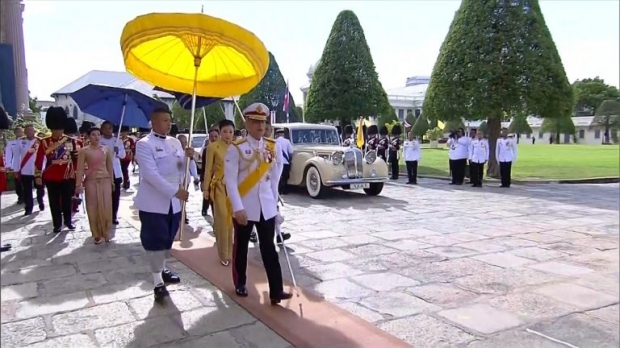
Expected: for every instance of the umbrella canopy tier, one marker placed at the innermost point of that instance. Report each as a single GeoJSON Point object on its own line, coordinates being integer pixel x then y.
{"type": "Point", "coordinates": [113, 104]}
{"type": "Point", "coordinates": [163, 50]}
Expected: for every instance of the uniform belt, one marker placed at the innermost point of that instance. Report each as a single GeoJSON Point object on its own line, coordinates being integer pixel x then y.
{"type": "Point", "coordinates": [60, 161]}
{"type": "Point", "coordinates": [172, 180]}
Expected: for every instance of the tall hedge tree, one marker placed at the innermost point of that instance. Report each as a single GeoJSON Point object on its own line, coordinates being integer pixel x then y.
{"type": "Point", "coordinates": [345, 83]}
{"type": "Point", "coordinates": [519, 125]}
{"type": "Point", "coordinates": [272, 85]}
{"type": "Point", "coordinates": [498, 58]}
{"type": "Point", "coordinates": [558, 126]}
{"type": "Point", "coordinates": [608, 117]}
{"type": "Point", "coordinates": [420, 126]}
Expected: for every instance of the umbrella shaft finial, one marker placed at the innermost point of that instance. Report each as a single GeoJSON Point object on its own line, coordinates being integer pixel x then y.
{"type": "Point", "coordinates": [197, 62]}
{"type": "Point", "coordinates": [202, 8]}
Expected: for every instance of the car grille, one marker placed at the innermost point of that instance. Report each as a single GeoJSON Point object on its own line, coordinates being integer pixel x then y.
{"type": "Point", "coordinates": [353, 163]}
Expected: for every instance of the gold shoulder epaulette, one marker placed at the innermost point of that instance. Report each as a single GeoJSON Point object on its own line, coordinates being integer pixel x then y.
{"type": "Point", "coordinates": [270, 140]}
{"type": "Point", "coordinates": [239, 141]}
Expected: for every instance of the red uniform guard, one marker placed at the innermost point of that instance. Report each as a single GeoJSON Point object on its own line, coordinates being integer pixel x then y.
{"type": "Point", "coordinates": [59, 153]}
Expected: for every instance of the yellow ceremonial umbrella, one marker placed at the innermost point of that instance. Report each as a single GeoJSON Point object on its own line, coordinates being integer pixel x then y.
{"type": "Point", "coordinates": [194, 54]}
{"type": "Point", "coordinates": [441, 125]}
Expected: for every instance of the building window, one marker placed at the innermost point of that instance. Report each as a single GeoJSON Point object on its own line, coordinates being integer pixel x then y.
{"type": "Point", "coordinates": [541, 135]}
{"type": "Point", "coordinates": [75, 112]}
{"type": "Point", "coordinates": [401, 114]}
{"type": "Point", "coordinates": [582, 134]}
{"type": "Point", "coordinates": [417, 113]}
{"type": "Point", "coordinates": [67, 111]}
{"type": "Point", "coordinates": [597, 134]}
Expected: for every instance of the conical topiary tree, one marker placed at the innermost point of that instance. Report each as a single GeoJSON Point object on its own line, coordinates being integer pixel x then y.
{"type": "Point", "coordinates": [497, 58]}
{"type": "Point", "coordinates": [420, 126]}
{"type": "Point", "coordinates": [345, 83]}
{"type": "Point", "coordinates": [519, 125]}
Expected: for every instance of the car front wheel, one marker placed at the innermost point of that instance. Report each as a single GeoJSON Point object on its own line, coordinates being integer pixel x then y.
{"type": "Point", "coordinates": [374, 189]}
{"type": "Point", "coordinates": [314, 186]}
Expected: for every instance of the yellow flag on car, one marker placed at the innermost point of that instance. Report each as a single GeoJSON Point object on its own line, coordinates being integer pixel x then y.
{"type": "Point", "coordinates": [360, 132]}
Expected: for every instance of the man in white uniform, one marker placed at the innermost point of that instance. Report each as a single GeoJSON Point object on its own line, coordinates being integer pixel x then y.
{"type": "Point", "coordinates": [28, 154]}
{"type": "Point", "coordinates": [252, 177]}
{"type": "Point", "coordinates": [118, 149]}
{"type": "Point", "coordinates": [412, 154]}
{"type": "Point", "coordinates": [478, 156]}
{"type": "Point", "coordinates": [12, 160]}
{"type": "Point", "coordinates": [159, 196]}
{"type": "Point", "coordinates": [506, 154]}
{"type": "Point", "coordinates": [286, 148]}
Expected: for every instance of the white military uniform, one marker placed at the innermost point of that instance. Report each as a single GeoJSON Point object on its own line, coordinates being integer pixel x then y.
{"type": "Point", "coordinates": [262, 198]}
{"type": "Point", "coordinates": [506, 150]}
{"type": "Point", "coordinates": [479, 151]}
{"type": "Point", "coordinates": [116, 162]}
{"type": "Point", "coordinates": [506, 154]}
{"type": "Point", "coordinates": [12, 154]}
{"type": "Point", "coordinates": [411, 150]}
{"type": "Point", "coordinates": [161, 171]}
{"type": "Point", "coordinates": [29, 148]}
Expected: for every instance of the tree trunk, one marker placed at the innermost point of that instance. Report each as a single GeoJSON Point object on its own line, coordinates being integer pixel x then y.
{"type": "Point", "coordinates": [606, 136]}
{"type": "Point", "coordinates": [518, 137]}
{"type": "Point", "coordinates": [557, 138]}
{"type": "Point", "coordinates": [494, 127]}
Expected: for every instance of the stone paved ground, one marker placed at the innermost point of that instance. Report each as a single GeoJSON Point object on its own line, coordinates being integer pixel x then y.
{"type": "Point", "coordinates": [437, 265]}
{"type": "Point", "coordinates": [62, 291]}
{"type": "Point", "coordinates": [445, 266]}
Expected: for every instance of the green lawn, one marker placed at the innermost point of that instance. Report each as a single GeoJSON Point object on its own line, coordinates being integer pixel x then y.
{"type": "Point", "coordinates": [564, 161]}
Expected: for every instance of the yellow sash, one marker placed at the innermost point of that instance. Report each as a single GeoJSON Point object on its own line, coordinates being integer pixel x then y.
{"type": "Point", "coordinates": [254, 177]}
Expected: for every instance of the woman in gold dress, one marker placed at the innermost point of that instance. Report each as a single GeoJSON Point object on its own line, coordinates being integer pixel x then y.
{"type": "Point", "coordinates": [215, 190]}
{"type": "Point", "coordinates": [94, 175]}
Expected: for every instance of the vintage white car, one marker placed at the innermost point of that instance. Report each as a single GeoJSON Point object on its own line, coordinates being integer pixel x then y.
{"type": "Point", "coordinates": [320, 161]}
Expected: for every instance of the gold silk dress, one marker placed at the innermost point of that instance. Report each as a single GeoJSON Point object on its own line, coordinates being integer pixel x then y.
{"type": "Point", "coordinates": [95, 168]}
{"type": "Point", "coordinates": [222, 211]}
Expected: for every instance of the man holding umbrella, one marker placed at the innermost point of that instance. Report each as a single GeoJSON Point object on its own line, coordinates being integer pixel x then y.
{"type": "Point", "coordinates": [58, 174]}
{"type": "Point", "coordinates": [159, 196]}
{"type": "Point", "coordinates": [117, 148]}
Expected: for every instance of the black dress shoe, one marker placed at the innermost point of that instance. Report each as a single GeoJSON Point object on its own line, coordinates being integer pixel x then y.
{"type": "Point", "coordinates": [70, 226]}
{"type": "Point", "coordinates": [203, 212]}
{"type": "Point", "coordinates": [253, 237]}
{"type": "Point", "coordinates": [115, 222]}
{"type": "Point", "coordinates": [242, 291]}
{"type": "Point", "coordinates": [20, 202]}
{"type": "Point", "coordinates": [286, 236]}
{"type": "Point", "coordinates": [169, 277]}
{"type": "Point", "coordinates": [41, 207]}
{"type": "Point", "coordinates": [279, 297]}
{"type": "Point", "coordinates": [160, 292]}
{"type": "Point", "coordinates": [5, 247]}
{"type": "Point", "coordinates": [57, 229]}
{"type": "Point", "coordinates": [26, 213]}
{"type": "Point", "coordinates": [187, 221]}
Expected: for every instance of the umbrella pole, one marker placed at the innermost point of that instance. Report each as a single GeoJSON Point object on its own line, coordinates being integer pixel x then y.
{"type": "Point", "coordinates": [204, 115]}
{"type": "Point", "coordinates": [237, 106]}
{"type": "Point", "coordinates": [189, 141]}
{"type": "Point", "coordinates": [120, 125]}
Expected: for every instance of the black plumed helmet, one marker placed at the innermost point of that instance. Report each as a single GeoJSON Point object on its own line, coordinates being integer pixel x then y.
{"type": "Point", "coordinates": [396, 130]}
{"type": "Point", "coordinates": [372, 130]}
{"type": "Point", "coordinates": [5, 123]}
{"type": "Point", "coordinates": [55, 118]}
{"type": "Point", "coordinates": [383, 130]}
{"type": "Point", "coordinates": [348, 129]}
{"type": "Point", "coordinates": [125, 129]}
{"type": "Point", "coordinates": [86, 126]}
{"type": "Point", "coordinates": [70, 126]}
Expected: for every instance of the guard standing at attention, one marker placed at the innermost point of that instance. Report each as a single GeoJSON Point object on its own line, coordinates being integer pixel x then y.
{"type": "Point", "coordinates": [252, 177]}
{"type": "Point", "coordinates": [394, 151]}
{"type": "Point", "coordinates": [347, 138]}
{"type": "Point", "coordinates": [116, 146]}
{"type": "Point", "coordinates": [160, 193]}
{"type": "Point", "coordinates": [506, 155]}
{"type": "Point", "coordinates": [372, 142]}
{"type": "Point", "coordinates": [54, 166]}
{"type": "Point", "coordinates": [383, 143]}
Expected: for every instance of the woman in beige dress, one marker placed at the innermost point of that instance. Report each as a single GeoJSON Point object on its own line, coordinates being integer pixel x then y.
{"type": "Point", "coordinates": [94, 176]}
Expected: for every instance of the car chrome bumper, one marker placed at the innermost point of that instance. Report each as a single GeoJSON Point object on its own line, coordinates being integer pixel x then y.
{"type": "Point", "coordinates": [356, 181]}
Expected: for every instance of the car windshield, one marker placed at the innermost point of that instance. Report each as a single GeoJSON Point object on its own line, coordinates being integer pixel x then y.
{"type": "Point", "coordinates": [315, 136]}
{"type": "Point", "coordinates": [198, 140]}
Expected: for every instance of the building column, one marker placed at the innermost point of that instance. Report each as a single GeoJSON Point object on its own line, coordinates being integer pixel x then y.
{"type": "Point", "coordinates": [15, 36]}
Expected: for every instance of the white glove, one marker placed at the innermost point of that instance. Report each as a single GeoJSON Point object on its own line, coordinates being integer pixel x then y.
{"type": "Point", "coordinates": [279, 219]}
